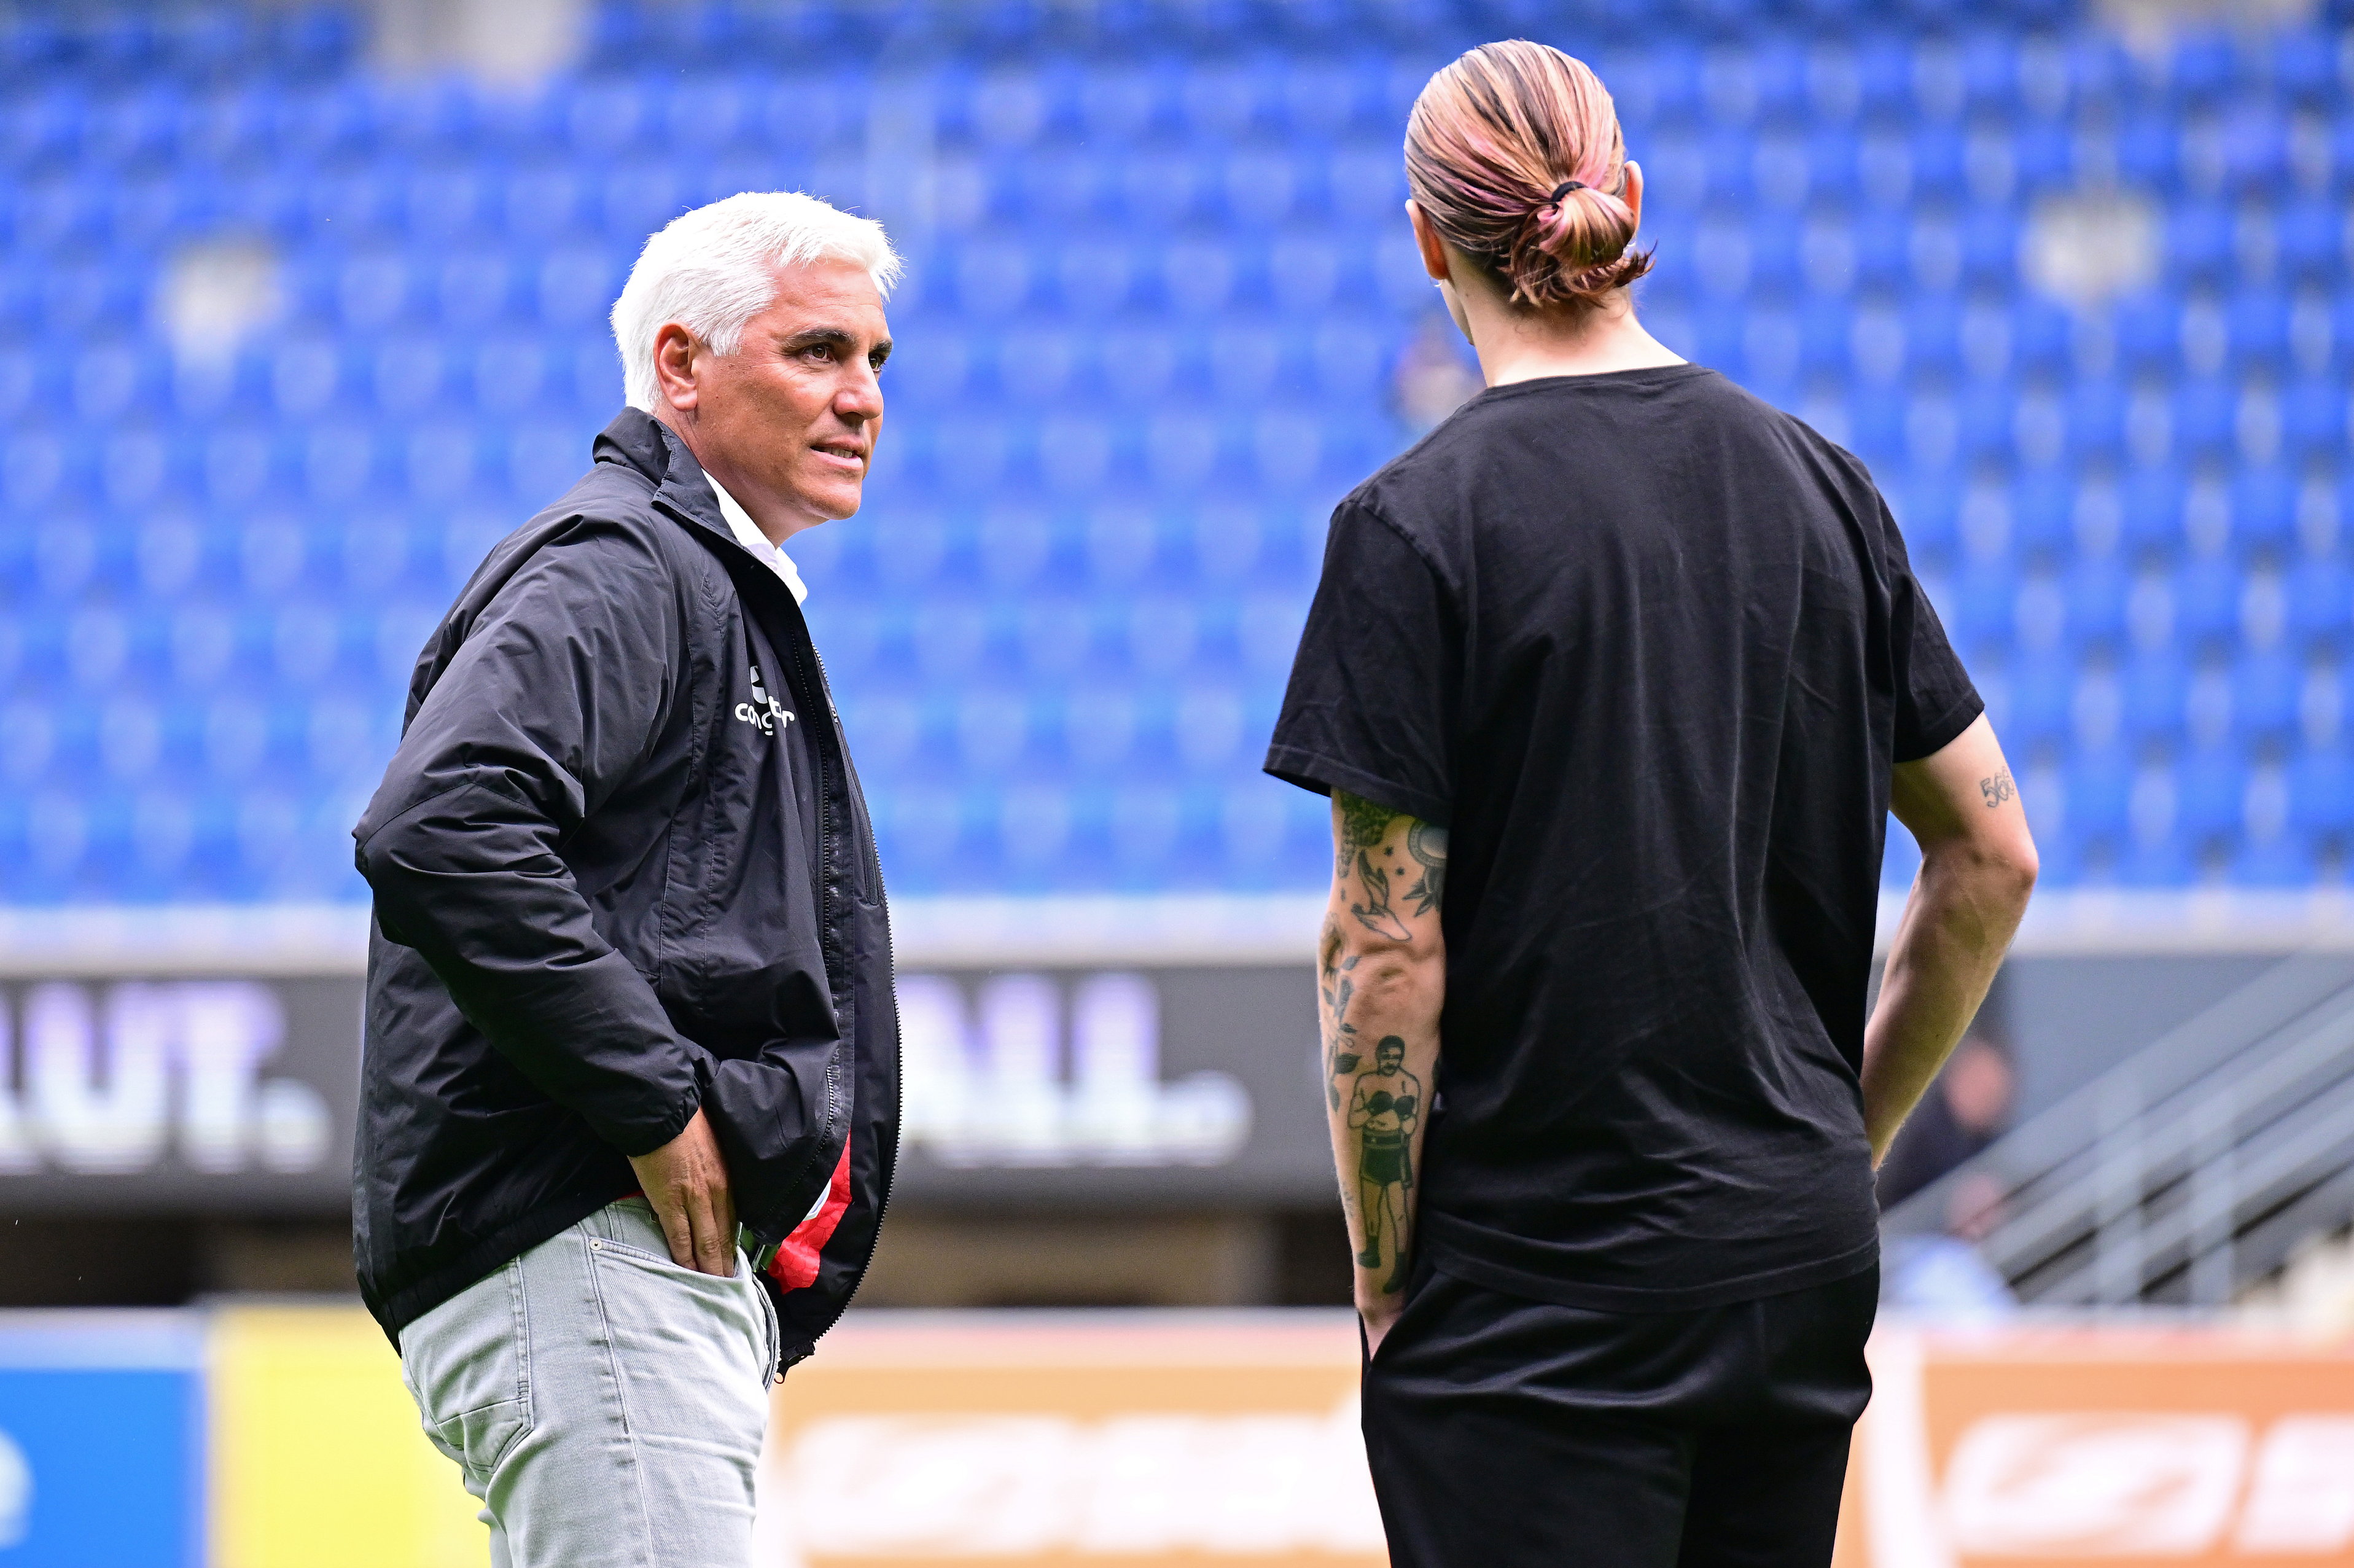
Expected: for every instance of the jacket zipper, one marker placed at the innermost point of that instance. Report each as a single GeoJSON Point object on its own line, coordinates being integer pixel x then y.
{"type": "Point", "coordinates": [898, 1083]}
{"type": "Point", "coordinates": [825, 881]}
{"type": "Point", "coordinates": [825, 884]}
{"type": "Point", "coordinates": [891, 964]}
{"type": "Point", "coordinates": [890, 955]}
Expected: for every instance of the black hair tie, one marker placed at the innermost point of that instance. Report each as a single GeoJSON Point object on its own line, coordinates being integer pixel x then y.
{"type": "Point", "coordinates": [1562, 190]}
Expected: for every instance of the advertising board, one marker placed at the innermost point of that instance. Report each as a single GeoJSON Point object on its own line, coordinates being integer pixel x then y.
{"type": "Point", "coordinates": [101, 1440]}
{"type": "Point", "coordinates": [178, 1095]}
{"type": "Point", "coordinates": [2038, 1447]}
{"type": "Point", "coordinates": [1122, 1087]}
{"type": "Point", "coordinates": [253, 1437]}
{"type": "Point", "coordinates": [1113, 1438]}
{"type": "Point", "coordinates": [1075, 1087]}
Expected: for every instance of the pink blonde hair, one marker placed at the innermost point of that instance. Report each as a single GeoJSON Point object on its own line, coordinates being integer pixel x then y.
{"type": "Point", "coordinates": [1514, 154]}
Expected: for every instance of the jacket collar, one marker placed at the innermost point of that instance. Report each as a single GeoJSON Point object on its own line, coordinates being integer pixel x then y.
{"type": "Point", "coordinates": [636, 439]}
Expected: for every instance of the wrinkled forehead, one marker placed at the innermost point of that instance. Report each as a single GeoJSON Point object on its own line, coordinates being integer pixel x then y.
{"type": "Point", "coordinates": [829, 292]}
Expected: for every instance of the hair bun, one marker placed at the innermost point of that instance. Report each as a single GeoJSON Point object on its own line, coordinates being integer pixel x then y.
{"type": "Point", "coordinates": [1485, 149]}
{"type": "Point", "coordinates": [1573, 250]}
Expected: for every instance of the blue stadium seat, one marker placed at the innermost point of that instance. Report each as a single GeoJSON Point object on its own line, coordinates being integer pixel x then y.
{"type": "Point", "coordinates": [2256, 144]}
{"type": "Point", "coordinates": [2096, 415]}
{"type": "Point", "coordinates": [2206, 409]}
{"type": "Point", "coordinates": [2100, 798]}
{"type": "Point", "coordinates": [1933, 329]}
{"type": "Point", "coordinates": [2264, 509]}
{"type": "Point", "coordinates": [1145, 820]}
{"type": "Point", "coordinates": [2282, 860]}
{"type": "Point", "coordinates": [2042, 335]}
{"type": "Point", "coordinates": [1990, 238]}
{"type": "Point", "coordinates": [1883, 246]}
{"type": "Point", "coordinates": [2207, 604]}
{"type": "Point", "coordinates": [1988, 413]}
{"type": "Point", "coordinates": [2149, 146]}
{"type": "Point", "coordinates": [2211, 791]}
{"type": "Point", "coordinates": [2259, 329]}
{"type": "Point", "coordinates": [2150, 333]}
{"type": "Point", "coordinates": [1991, 72]}
{"type": "Point", "coordinates": [2321, 793]}
{"type": "Point", "coordinates": [2320, 592]}
{"type": "Point", "coordinates": [2044, 506]}
{"type": "Point", "coordinates": [2155, 855]}
{"type": "Point", "coordinates": [1831, 154]}
{"type": "Point", "coordinates": [950, 636]}
{"type": "Point", "coordinates": [2311, 245]}
{"type": "Point", "coordinates": [991, 727]}
{"type": "Point", "coordinates": [2205, 63]}
{"type": "Point", "coordinates": [2305, 63]}
{"type": "Point", "coordinates": [2043, 154]}
{"type": "Point", "coordinates": [2043, 702]}
{"type": "Point", "coordinates": [1981, 607]}
{"type": "Point", "coordinates": [2341, 144]}
{"type": "Point", "coordinates": [2097, 590]}
{"type": "Point", "coordinates": [2153, 688]}
{"type": "Point", "coordinates": [2265, 686]}
{"type": "Point", "coordinates": [2314, 418]}
{"type": "Point", "coordinates": [1883, 65]}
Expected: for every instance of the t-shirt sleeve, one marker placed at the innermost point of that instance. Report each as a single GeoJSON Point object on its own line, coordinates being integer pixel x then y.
{"type": "Point", "coordinates": [1370, 709]}
{"type": "Point", "coordinates": [1935, 699]}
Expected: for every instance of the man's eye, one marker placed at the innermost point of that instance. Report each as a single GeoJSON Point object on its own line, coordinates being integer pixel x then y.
{"type": "Point", "coordinates": [819, 351]}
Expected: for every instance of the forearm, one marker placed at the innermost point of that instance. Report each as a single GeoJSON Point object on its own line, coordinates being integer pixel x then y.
{"type": "Point", "coordinates": [1381, 967]}
{"type": "Point", "coordinates": [1958, 921]}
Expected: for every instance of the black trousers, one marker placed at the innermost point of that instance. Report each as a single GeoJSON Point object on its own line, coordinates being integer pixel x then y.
{"type": "Point", "coordinates": [1503, 1430]}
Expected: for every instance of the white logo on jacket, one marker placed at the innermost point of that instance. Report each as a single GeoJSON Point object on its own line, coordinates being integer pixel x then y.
{"type": "Point", "coordinates": [763, 711]}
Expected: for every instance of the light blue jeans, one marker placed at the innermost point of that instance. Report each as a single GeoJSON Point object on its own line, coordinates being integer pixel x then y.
{"type": "Point", "coordinates": [605, 1405]}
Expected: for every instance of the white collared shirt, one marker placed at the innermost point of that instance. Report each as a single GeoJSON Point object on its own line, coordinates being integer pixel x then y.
{"type": "Point", "coordinates": [748, 534]}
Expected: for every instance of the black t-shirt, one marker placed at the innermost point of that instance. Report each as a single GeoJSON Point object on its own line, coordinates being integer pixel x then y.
{"type": "Point", "coordinates": [1648, 648]}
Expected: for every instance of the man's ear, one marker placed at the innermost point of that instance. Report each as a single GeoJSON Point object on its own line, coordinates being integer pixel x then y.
{"type": "Point", "coordinates": [675, 352]}
{"type": "Point", "coordinates": [1427, 241]}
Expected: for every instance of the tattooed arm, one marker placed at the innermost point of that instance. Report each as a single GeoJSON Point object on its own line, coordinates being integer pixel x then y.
{"type": "Point", "coordinates": [1977, 867]}
{"type": "Point", "coordinates": [1382, 976]}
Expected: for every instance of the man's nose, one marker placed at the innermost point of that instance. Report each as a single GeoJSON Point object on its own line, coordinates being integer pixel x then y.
{"type": "Point", "coordinates": [861, 398]}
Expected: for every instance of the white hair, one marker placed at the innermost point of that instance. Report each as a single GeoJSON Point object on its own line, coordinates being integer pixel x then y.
{"type": "Point", "coordinates": [710, 271]}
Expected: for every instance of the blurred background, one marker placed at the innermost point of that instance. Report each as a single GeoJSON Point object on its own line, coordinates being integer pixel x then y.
{"type": "Point", "coordinates": [302, 308]}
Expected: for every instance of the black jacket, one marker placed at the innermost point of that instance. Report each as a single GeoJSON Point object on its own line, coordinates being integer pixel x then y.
{"type": "Point", "coordinates": [595, 908]}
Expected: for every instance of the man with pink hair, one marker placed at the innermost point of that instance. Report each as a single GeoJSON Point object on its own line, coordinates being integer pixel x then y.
{"type": "Point", "coordinates": [1613, 680]}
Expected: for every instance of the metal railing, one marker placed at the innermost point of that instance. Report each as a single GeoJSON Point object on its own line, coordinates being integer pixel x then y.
{"type": "Point", "coordinates": [2189, 1170]}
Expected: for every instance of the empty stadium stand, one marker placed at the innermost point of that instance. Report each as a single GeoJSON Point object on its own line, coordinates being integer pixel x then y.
{"type": "Point", "coordinates": [1159, 290]}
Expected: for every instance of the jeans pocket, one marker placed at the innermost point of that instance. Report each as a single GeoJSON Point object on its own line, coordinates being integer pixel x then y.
{"type": "Point", "coordinates": [774, 1347]}
{"type": "Point", "coordinates": [685, 1347]}
{"type": "Point", "coordinates": [467, 1363]}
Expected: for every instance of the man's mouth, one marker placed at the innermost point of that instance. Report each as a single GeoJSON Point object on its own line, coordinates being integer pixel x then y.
{"type": "Point", "coordinates": [842, 452]}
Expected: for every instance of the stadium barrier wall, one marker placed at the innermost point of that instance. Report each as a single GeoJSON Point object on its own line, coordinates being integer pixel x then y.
{"type": "Point", "coordinates": [1099, 1053]}
{"type": "Point", "coordinates": [279, 1437]}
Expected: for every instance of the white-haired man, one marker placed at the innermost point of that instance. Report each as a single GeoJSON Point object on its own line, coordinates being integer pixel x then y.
{"type": "Point", "coordinates": [630, 1099]}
